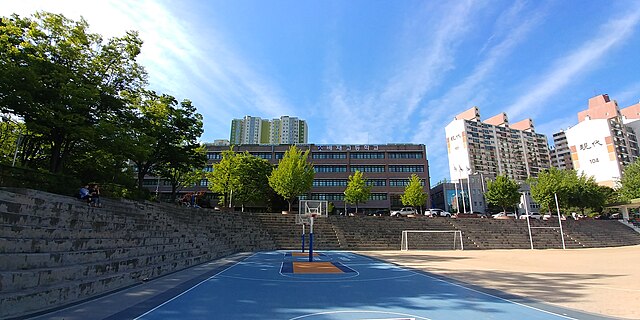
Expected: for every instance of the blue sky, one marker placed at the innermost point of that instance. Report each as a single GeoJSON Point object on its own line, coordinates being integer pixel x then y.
{"type": "Point", "coordinates": [374, 72]}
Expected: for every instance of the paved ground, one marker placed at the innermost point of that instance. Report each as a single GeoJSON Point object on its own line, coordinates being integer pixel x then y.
{"type": "Point", "coordinates": [598, 281]}
{"type": "Point", "coordinates": [603, 281]}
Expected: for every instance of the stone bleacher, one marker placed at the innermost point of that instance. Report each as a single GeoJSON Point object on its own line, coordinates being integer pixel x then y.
{"type": "Point", "coordinates": [55, 250]}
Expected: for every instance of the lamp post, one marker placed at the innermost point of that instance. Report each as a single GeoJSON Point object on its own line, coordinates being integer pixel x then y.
{"type": "Point", "coordinates": [526, 210]}
{"type": "Point", "coordinates": [559, 220]}
{"type": "Point", "coordinates": [464, 205]}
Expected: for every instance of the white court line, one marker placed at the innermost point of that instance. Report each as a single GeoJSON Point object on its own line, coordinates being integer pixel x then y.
{"type": "Point", "coordinates": [201, 282]}
{"type": "Point", "coordinates": [359, 311]}
{"type": "Point", "coordinates": [500, 298]}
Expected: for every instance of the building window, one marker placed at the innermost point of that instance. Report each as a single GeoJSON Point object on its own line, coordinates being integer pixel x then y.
{"type": "Point", "coordinates": [204, 182]}
{"type": "Point", "coordinates": [376, 182]}
{"type": "Point", "coordinates": [329, 155]}
{"type": "Point", "coordinates": [208, 168]}
{"type": "Point", "coordinates": [279, 155]}
{"type": "Point", "coordinates": [329, 182]}
{"type": "Point", "coordinates": [378, 196]}
{"type": "Point", "coordinates": [405, 155]}
{"type": "Point", "coordinates": [367, 168]}
{"type": "Point", "coordinates": [214, 155]}
{"type": "Point", "coordinates": [336, 168]}
{"type": "Point", "coordinates": [403, 182]}
{"type": "Point", "coordinates": [263, 155]}
{"type": "Point", "coordinates": [406, 168]}
{"type": "Point", "coordinates": [366, 155]}
{"type": "Point", "coordinates": [327, 196]}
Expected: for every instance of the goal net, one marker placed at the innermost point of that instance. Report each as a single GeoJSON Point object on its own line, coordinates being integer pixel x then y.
{"type": "Point", "coordinates": [431, 240]}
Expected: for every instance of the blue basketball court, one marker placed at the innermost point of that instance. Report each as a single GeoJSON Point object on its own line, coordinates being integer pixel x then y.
{"type": "Point", "coordinates": [340, 285]}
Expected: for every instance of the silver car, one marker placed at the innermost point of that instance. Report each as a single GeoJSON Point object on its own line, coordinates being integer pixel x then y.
{"type": "Point", "coordinates": [404, 212]}
{"type": "Point", "coordinates": [437, 213]}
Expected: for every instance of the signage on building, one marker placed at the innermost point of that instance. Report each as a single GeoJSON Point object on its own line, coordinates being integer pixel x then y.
{"type": "Point", "coordinates": [330, 147]}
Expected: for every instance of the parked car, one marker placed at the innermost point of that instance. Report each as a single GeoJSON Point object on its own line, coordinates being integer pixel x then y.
{"type": "Point", "coordinates": [404, 212]}
{"type": "Point", "coordinates": [531, 215]}
{"type": "Point", "coordinates": [378, 213]}
{"type": "Point", "coordinates": [504, 215]}
{"type": "Point", "coordinates": [548, 216]}
{"type": "Point", "coordinates": [437, 213]}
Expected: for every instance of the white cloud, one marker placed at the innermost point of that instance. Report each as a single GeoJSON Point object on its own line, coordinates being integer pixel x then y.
{"type": "Point", "coordinates": [179, 62]}
{"type": "Point", "coordinates": [581, 60]}
{"type": "Point", "coordinates": [510, 30]}
{"type": "Point", "coordinates": [379, 113]}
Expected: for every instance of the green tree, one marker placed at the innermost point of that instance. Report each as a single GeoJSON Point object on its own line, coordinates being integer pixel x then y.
{"type": "Point", "coordinates": [293, 176]}
{"type": "Point", "coordinates": [630, 182]}
{"type": "Point", "coordinates": [157, 132]}
{"type": "Point", "coordinates": [503, 192]}
{"type": "Point", "coordinates": [552, 182]}
{"type": "Point", "coordinates": [62, 80]}
{"type": "Point", "coordinates": [183, 167]}
{"type": "Point", "coordinates": [222, 178]}
{"type": "Point", "coordinates": [414, 194]}
{"type": "Point", "coordinates": [357, 190]}
{"type": "Point", "coordinates": [586, 193]}
{"type": "Point", "coordinates": [251, 179]}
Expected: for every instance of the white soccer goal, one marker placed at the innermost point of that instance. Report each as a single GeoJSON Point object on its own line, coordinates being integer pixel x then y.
{"type": "Point", "coordinates": [431, 240]}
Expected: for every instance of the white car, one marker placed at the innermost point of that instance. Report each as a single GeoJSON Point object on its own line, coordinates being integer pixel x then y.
{"type": "Point", "coordinates": [531, 215]}
{"type": "Point", "coordinates": [501, 215]}
{"type": "Point", "coordinates": [404, 212]}
{"type": "Point", "coordinates": [437, 213]}
{"type": "Point", "coordinates": [548, 216]}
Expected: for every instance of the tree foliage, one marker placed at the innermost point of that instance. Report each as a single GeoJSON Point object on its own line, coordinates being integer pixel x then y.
{"type": "Point", "coordinates": [62, 80]}
{"type": "Point", "coordinates": [553, 182]}
{"type": "Point", "coordinates": [502, 192]}
{"type": "Point", "coordinates": [252, 179]}
{"type": "Point", "coordinates": [630, 182]}
{"type": "Point", "coordinates": [357, 190]}
{"type": "Point", "coordinates": [221, 179]}
{"type": "Point", "coordinates": [414, 194]}
{"type": "Point", "coordinates": [183, 167]}
{"type": "Point", "coordinates": [584, 193]}
{"type": "Point", "coordinates": [293, 176]}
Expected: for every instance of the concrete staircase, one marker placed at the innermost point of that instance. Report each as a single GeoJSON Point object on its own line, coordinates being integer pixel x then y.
{"type": "Point", "coordinates": [56, 250]}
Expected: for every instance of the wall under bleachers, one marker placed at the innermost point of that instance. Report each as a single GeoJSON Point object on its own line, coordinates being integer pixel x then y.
{"type": "Point", "coordinates": [56, 250]}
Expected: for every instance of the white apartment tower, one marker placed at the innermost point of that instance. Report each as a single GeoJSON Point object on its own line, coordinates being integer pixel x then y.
{"type": "Point", "coordinates": [254, 130]}
{"type": "Point", "coordinates": [494, 147]}
{"type": "Point", "coordinates": [601, 143]}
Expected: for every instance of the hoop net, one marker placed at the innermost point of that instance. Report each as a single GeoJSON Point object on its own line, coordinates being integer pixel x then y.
{"type": "Point", "coordinates": [431, 240]}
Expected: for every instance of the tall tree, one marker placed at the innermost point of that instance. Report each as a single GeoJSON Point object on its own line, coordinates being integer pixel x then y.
{"type": "Point", "coordinates": [550, 183]}
{"type": "Point", "coordinates": [586, 193]}
{"type": "Point", "coordinates": [183, 167]}
{"type": "Point", "coordinates": [630, 182]}
{"type": "Point", "coordinates": [357, 190]}
{"type": "Point", "coordinates": [502, 192]}
{"type": "Point", "coordinates": [222, 178]}
{"type": "Point", "coordinates": [252, 179]}
{"type": "Point", "coordinates": [62, 80]}
{"type": "Point", "coordinates": [414, 194]}
{"type": "Point", "coordinates": [293, 176]}
{"type": "Point", "coordinates": [156, 131]}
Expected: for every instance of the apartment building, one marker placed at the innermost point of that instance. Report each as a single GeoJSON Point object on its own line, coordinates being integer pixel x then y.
{"type": "Point", "coordinates": [560, 153]}
{"type": "Point", "coordinates": [604, 140]}
{"type": "Point", "coordinates": [494, 147]}
{"type": "Point", "coordinates": [255, 130]}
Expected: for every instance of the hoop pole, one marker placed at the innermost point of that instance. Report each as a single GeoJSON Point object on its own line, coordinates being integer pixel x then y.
{"type": "Point", "coordinates": [311, 241]}
{"type": "Point", "coordinates": [560, 221]}
{"type": "Point", "coordinates": [303, 237]}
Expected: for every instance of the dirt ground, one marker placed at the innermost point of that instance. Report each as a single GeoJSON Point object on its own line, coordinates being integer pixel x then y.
{"type": "Point", "coordinates": [603, 281]}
